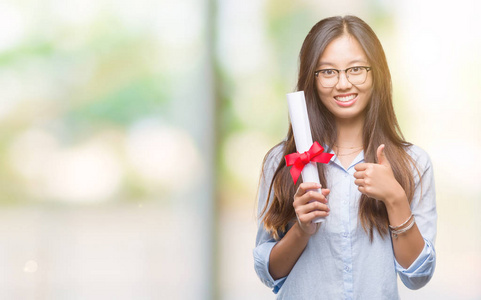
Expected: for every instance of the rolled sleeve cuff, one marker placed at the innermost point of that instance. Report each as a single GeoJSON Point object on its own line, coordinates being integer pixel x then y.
{"type": "Point", "coordinates": [261, 265]}
{"type": "Point", "coordinates": [421, 270]}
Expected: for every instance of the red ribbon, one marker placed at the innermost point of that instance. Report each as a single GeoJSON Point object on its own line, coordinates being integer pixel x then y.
{"type": "Point", "coordinates": [298, 160]}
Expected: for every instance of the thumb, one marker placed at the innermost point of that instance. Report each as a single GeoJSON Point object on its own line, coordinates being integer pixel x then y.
{"type": "Point", "coordinates": [381, 157]}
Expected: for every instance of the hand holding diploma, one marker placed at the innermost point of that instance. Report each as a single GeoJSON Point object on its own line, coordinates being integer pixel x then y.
{"type": "Point", "coordinates": [310, 201]}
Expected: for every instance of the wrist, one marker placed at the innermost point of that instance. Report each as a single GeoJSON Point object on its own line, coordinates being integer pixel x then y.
{"type": "Point", "coordinates": [396, 199]}
{"type": "Point", "coordinates": [398, 210]}
{"type": "Point", "coordinates": [300, 233]}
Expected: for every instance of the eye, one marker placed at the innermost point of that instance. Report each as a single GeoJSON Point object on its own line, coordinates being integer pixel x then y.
{"type": "Point", "coordinates": [328, 72]}
{"type": "Point", "coordinates": [356, 70]}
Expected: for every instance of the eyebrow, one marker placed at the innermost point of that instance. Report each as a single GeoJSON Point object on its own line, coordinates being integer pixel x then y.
{"type": "Point", "coordinates": [350, 63]}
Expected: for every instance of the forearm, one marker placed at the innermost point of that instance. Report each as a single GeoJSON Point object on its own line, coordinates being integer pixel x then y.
{"type": "Point", "coordinates": [287, 251]}
{"type": "Point", "coordinates": [408, 245]}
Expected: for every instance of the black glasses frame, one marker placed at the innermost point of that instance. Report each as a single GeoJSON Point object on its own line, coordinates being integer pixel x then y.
{"type": "Point", "coordinates": [316, 73]}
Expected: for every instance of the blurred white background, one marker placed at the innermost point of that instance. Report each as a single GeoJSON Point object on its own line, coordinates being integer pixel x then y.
{"type": "Point", "coordinates": [132, 136]}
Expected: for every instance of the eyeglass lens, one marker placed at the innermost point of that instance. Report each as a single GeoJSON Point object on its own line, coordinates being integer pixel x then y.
{"type": "Point", "coordinates": [330, 77]}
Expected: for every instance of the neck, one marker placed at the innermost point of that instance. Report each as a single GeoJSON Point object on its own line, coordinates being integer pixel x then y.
{"type": "Point", "coordinates": [349, 132]}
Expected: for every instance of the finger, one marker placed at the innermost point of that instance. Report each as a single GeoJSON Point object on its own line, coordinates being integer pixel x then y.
{"type": "Point", "coordinates": [313, 196]}
{"type": "Point", "coordinates": [359, 175]}
{"type": "Point", "coordinates": [366, 190]}
{"type": "Point", "coordinates": [310, 207]}
{"type": "Point", "coordinates": [306, 186]}
{"type": "Point", "coordinates": [359, 182]}
{"type": "Point", "coordinates": [308, 218]}
{"type": "Point", "coordinates": [362, 189]}
{"type": "Point", "coordinates": [308, 197]}
{"type": "Point", "coordinates": [381, 157]}
{"type": "Point", "coordinates": [325, 192]}
{"type": "Point", "coordinates": [361, 166]}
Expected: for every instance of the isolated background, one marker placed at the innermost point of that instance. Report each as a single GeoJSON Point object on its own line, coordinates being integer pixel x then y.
{"type": "Point", "coordinates": [132, 135]}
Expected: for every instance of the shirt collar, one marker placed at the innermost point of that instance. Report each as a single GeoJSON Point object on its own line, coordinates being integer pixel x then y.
{"type": "Point", "coordinates": [358, 159]}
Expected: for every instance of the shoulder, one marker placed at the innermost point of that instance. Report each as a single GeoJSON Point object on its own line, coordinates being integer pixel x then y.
{"type": "Point", "coordinates": [274, 156]}
{"type": "Point", "coordinates": [420, 157]}
{"type": "Point", "coordinates": [271, 162]}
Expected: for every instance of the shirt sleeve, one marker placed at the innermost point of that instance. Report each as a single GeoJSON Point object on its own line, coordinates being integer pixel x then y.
{"type": "Point", "coordinates": [423, 208]}
{"type": "Point", "coordinates": [264, 241]}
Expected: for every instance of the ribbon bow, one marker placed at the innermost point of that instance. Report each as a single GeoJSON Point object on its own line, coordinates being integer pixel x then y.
{"type": "Point", "coordinates": [299, 160]}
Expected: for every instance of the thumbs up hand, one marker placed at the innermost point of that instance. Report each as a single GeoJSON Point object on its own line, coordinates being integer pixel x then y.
{"type": "Point", "coordinates": [381, 157]}
{"type": "Point", "coordinates": [377, 180]}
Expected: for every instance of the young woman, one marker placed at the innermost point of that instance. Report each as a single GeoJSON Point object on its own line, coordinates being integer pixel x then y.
{"type": "Point", "coordinates": [377, 193]}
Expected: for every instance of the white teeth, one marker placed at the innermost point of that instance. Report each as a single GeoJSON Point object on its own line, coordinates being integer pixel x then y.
{"type": "Point", "coordinates": [346, 98]}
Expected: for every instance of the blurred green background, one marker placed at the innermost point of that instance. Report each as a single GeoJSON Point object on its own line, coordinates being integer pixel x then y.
{"type": "Point", "coordinates": [132, 135]}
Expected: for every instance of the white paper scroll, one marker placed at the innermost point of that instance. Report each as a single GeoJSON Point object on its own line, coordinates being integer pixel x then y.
{"type": "Point", "coordinates": [302, 135]}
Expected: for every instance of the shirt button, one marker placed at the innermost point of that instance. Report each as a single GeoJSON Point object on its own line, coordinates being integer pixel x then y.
{"type": "Point", "coordinates": [346, 268]}
{"type": "Point", "coordinates": [345, 234]}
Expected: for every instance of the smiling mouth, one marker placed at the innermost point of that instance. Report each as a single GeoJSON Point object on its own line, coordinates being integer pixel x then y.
{"type": "Point", "coordinates": [346, 98]}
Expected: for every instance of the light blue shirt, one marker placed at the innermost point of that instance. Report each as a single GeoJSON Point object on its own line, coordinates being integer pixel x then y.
{"type": "Point", "coordinates": [339, 261]}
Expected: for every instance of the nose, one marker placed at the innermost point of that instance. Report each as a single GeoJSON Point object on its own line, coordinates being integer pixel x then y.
{"type": "Point", "coordinates": [343, 83]}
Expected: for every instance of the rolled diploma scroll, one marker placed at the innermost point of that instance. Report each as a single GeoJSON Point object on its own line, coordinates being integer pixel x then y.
{"type": "Point", "coordinates": [303, 136]}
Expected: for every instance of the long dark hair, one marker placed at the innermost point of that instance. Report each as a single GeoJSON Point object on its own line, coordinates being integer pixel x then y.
{"type": "Point", "coordinates": [380, 127]}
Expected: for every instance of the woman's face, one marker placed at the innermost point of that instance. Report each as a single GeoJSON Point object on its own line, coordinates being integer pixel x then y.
{"type": "Point", "coordinates": [344, 100]}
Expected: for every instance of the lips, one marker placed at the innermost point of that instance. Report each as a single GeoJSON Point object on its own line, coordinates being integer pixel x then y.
{"type": "Point", "coordinates": [346, 100]}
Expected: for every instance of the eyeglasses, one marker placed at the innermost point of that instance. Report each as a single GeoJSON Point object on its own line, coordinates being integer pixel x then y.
{"type": "Point", "coordinates": [355, 75]}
